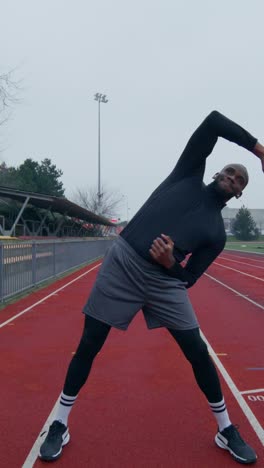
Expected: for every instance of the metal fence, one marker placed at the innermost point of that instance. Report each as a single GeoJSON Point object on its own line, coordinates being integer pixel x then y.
{"type": "Point", "coordinates": [26, 264]}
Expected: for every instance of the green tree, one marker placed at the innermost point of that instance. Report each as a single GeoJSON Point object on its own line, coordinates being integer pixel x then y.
{"type": "Point", "coordinates": [8, 176]}
{"type": "Point", "coordinates": [244, 226]}
{"type": "Point", "coordinates": [27, 176]}
{"type": "Point", "coordinates": [41, 178]}
{"type": "Point", "coordinates": [48, 179]}
{"type": "Point", "coordinates": [31, 176]}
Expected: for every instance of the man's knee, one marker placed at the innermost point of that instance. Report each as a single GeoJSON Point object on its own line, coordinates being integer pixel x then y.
{"type": "Point", "coordinates": [93, 338]}
{"type": "Point", "coordinates": [198, 352]}
{"type": "Point", "coordinates": [191, 344]}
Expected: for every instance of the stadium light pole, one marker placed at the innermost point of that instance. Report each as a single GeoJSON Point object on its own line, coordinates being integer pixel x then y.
{"type": "Point", "coordinates": [127, 207]}
{"type": "Point", "coordinates": [128, 212]}
{"type": "Point", "coordinates": [99, 98]}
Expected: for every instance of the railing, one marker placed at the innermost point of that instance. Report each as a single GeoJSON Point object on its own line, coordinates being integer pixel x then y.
{"type": "Point", "coordinates": [26, 264]}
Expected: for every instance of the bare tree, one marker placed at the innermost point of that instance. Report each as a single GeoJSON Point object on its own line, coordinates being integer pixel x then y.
{"type": "Point", "coordinates": [8, 94]}
{"type": "Point", "coordinates": [111, 201]}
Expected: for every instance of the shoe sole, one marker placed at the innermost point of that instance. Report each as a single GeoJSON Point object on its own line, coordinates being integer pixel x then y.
{"type": "Point", "coordinates": [220, 444]}
{"type": "Point", "coordinates": [55, 457]}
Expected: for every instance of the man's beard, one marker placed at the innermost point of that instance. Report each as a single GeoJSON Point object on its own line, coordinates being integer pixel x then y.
{"type": "Point", "coordinates": [221, 192]}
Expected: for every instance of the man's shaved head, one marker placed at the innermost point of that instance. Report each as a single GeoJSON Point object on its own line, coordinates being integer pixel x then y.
{"type": "Point", "coordinates": [240, 168]}
{"type": "Point", "coordinates": [231, 180]}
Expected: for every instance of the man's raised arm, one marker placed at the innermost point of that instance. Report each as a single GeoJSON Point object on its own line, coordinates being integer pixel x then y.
{"type": "Point", "coordinates": [259, 152]}
{"type": "Point", "coordinates": [203, 140]}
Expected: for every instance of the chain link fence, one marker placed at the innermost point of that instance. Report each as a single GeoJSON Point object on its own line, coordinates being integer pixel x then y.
{"type": "Point", "coordinates": [26, 264]}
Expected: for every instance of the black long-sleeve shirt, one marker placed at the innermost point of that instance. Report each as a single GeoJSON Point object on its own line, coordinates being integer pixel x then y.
{"type": "Point", "coordinates": [184, 208]}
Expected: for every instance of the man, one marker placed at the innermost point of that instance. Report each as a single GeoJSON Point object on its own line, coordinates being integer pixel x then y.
{"type": "Point", "coordinates": [142, 270]}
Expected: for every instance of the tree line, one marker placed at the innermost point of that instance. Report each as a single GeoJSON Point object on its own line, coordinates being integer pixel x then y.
{"type": "Point", "coordinates": [32, 176]}
{"type": "Point", "coordinates": [44, 177]}
{"type": "Point", "coordinates": [244, 227]}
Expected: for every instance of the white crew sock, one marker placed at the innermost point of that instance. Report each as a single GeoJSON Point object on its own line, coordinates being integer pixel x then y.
{"type": "Point", "coordinates": [220, 413]}
{"type": "Point", "coordinates": [65, 405]}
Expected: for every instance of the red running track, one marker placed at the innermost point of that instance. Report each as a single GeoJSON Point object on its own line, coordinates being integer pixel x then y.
{"type": "Point", "coordinates": [141, 407]}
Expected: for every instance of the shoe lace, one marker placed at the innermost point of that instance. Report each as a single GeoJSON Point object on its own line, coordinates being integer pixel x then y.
{"type": "Point", "coordinates": [53, 430]}
{"type": "Point", "coordinates": [235, 434]}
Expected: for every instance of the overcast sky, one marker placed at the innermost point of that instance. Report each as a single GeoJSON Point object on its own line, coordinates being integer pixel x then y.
{"type": "Point", "coordinates": [164, 66]}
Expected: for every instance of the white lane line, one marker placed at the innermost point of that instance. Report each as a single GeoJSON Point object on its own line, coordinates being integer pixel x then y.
{"type": "Point", "coordinates": [235, 291]}
{"type": "Point", "coordinates": [252, 391]}
{"type": "Point", "coordinates": [242, 263]}
{"type": "Point", "coordinates": [33, 454]}
{"type": "Point", "coordinates": [245, 252]}
{"type": "Point", "coordinates": [241, 401]}
{"type": "Point", "coordinates": [46, 297]}
{"type": "Point", "coordinates": [238, 271]}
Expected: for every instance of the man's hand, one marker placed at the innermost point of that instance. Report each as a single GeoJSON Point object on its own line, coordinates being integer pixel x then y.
{"type": "Point", "coordinates": [259, 152]}
{"type": "Point", "coordinates": [162, 251]}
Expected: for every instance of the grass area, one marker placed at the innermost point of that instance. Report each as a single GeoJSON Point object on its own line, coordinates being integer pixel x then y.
{"type": "Point", "coordinates": [234, 239]}
{"type": "Point", "coordinates": [252, 246]}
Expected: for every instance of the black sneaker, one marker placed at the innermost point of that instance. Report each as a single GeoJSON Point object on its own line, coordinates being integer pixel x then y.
{"type": "Point", "coordinates": [57, 437]}
{"type": "Point", "coordinates": [230, 439]}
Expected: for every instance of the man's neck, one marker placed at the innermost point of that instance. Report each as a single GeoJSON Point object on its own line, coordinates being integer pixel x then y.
{"type": "Point", "coordinates": [218, 194]}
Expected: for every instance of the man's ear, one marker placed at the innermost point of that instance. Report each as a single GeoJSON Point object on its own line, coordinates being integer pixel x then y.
{"type": "Point", "coordinates": [215, 176]}
{"type": "Point", "coordinates": [239, 195]}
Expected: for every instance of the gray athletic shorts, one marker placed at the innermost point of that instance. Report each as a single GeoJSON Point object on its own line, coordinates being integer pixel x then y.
{"type": "Point", "coordinates": [126, 283]}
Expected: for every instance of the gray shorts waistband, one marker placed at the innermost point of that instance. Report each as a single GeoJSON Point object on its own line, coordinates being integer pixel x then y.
{"type": "Point", "coordinates": [140, 260]}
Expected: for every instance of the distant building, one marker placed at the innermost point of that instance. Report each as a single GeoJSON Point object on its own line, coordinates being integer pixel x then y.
{"type": "Point", "coordinates": [230, 213]}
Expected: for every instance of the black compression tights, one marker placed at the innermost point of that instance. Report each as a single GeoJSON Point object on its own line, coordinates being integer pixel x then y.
{"type": "Point", "coordinates": [195, 350]}
{"type": "Point", "coordinates": [92, 340]}
{"type": "Point", "coordinates": [192, 345]}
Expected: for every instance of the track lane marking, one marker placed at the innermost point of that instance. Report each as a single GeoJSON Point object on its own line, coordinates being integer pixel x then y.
{"type": "Point", "coordinates": [33, 454]}
{"type": "Point", "coordinates": [244, 252]}
{"type": "Point", "coordinates": [237, 394]}
{"type": "Point", "coordinates": [47, 297]}
{"type": "Point", "coordinates": [235, 291]}
{"type": "Point", "coordinates": [238, 271]}
{"type": "Point", "coordinates": [252, 391]}
{"type": "Point", "coordinates": [242, 263]}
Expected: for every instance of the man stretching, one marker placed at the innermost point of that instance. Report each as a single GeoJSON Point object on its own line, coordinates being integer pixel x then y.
{"type": "Point", "coordinates": [142, 270]}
